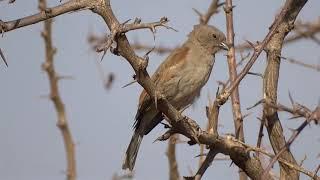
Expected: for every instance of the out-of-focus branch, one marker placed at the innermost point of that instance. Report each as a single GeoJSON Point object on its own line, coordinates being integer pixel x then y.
{"type": "Point", "coordinates": [158, 49]}
{"type": "Point", "coordinates": [302, 31]}
{"type": "Point", "coordinates": [297, 110]}
{"type": "Point", "coordinates": [213, 9]}
{"type": "Point", "coordinates": [171, 154]}
{"type": "Point", "coordinates": [270, 87]}
{"type": "Point", "coordinates": [315, 67]}
{"type": "Point", "coordinates": [62, 123]}
{"type": "Point", "coordinates": [232, 64]}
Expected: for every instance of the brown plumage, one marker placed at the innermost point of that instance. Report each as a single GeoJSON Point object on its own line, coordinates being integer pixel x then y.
{"type": "Point", "coordinates": [180, 77]}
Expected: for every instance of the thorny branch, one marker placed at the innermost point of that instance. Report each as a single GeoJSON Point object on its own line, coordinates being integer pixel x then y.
{"type": "Point", "coordinates": [297, 111]}
{"type": "Point", "coordinates": [315, 67]}
{"type": "Point", "coordinates": [232, 64]}
{"type": "Point", "coordinates": [124, 27]}
{"type": "Point", "coordinates": [270, 87]}
{"type": "Point", "coordinates": [62, 123]}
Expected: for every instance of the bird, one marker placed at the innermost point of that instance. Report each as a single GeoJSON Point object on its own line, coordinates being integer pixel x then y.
{"type": "Point", "coordinates": [180, 77]}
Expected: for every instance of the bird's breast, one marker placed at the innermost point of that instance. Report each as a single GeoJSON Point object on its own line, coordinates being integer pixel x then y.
{"type": "Point", "coordinates": [191, 80]}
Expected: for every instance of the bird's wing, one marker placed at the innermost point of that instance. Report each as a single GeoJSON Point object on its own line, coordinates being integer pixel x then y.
{"type": "Point", "coordinates": [164, 73]}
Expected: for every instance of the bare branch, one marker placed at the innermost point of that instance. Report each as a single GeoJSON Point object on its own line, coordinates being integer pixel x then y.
{"type": "Point", "coordinates": [213, 9]}
{"type": "Point", "coordinates": [171, 154]}
{"type": "Point", "coordinates": [315, 67]}
{"type": "Point", "coordinates": [235, 99]}
{"type": "Point", "coordinates": [62, 123]}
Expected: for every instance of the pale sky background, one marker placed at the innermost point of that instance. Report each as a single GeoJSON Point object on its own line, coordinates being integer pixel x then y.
{"type": "Point", "coordinates": [101, 121]}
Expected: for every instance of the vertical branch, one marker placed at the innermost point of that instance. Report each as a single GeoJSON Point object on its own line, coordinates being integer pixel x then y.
{"type": "Point", "coordinates": [237, 116]}
{"type": "Point", "coordinates": [55, 97]}
{"type": "Point", "coordinates": [270, 87]}
{"type": "Point", "coordinates": [171, 154]}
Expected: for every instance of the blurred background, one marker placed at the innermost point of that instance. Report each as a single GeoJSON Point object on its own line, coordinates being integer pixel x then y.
{"type": "Point", "coordinates": [101, 119]}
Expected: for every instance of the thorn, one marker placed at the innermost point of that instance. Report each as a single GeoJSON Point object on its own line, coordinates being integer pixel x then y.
{"type": "Point", "coordinates": [221, 4]}
{"type": "Point", "coordinates": [217, 92]}
{"type": "Point", "coordinates": [126, 22]}
{"type": "Point", "coordinates": [256, 74]}
{"type": "Point", "coordinates": [250, 43]}
{"type": "Point", "coordinates": [146, 56]}
{"type": "Point", "coordinates": [246, 115]}
{"type": "Point", "coordinates": [199, 155]}
{"type": "Point", "coordinates": [104, 53]}
{"type": "Point", "coordinates": [183, 109]}
{"type": "Point", "coordinates": [164, 137]}
{"type": "Point", "coordinates": [189, 177]}
{"type": "Point", "coordinates": [3, 58]}
{"type": "Point", "coordinates": [166, 126]}
{"type": "Point", "coordinates": [164, 20]}
{"type": "Point", "coordinates": [256, 104]}
{"type": "Point", "coordinates": [137, 21]}
{"type": "Point", "coordinates": [130, 83]}
{"type": "Point", "coordinates": [231, 164]}
{"type": "Point", "coordinates": [260, 119]}
{"type": "Point", "coordinates": [291, 99]}
{"type": "Point", "coordinates": [171, 28]}
{"type": "Point", "coordinates": [197, 12]}
{"type": "Point", "coordinates": [295, 117]}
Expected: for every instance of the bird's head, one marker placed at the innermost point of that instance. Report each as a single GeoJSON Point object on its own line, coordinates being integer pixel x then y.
{"type": "Point", "coordinates": [209, 37]}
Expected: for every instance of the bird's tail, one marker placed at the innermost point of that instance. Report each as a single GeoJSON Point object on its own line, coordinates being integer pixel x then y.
{"type": "Point", "coordinates": [132, 151]}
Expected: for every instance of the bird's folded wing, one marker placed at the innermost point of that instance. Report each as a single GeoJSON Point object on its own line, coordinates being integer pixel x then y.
{"type": "Point", "coordinates": [165, 72]}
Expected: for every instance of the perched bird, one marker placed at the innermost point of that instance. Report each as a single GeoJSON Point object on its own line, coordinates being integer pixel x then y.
{"type": "Point", "coordinates": [180, 78]}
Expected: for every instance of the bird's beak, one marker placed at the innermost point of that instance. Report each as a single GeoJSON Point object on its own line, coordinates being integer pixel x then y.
{"type": "Point", "coordinates": [224, 46]}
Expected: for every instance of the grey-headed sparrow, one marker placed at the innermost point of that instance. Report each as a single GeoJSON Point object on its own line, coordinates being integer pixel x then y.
{"type": "Point", "coordinates": [180, 78]}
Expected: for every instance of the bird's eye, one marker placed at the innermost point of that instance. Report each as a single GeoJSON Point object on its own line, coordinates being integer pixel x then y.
{"type": "Point", "coordinates": [214, 36]}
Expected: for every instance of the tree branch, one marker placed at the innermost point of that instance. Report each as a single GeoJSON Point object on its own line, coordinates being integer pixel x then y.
{"type": "Point", "coordinates": [62, 123]}
{"type": "Point", "coordinates": [171, 154]}
{"type": "Point", "coordinates": [232, 64]}
{"type": "Point", "coordinates": [270, 84]}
